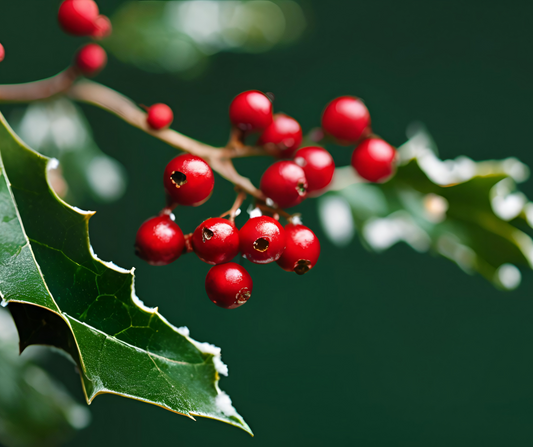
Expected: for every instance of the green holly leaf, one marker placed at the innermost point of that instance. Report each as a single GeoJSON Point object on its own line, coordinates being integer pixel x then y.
{"type": "Point", "coordinates": [61, 294]}
{"type": "Point", "coordinates": [469, 212]}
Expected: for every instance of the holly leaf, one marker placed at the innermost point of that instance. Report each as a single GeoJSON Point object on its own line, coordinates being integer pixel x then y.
{"type": "Point", "coordinates": [61, 294]}
{"type": "Point", "coordinates": [469, 212]}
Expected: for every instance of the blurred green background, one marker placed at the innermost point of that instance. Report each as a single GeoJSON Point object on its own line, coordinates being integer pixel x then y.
{"type": "Point", "coordinates": [398, 349]}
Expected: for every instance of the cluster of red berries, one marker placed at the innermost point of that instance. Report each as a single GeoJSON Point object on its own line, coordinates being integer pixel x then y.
{"type": "Point", "coordinates": [82, 18]}
{"type": "Point", "coordinates": [286, 182]}
{"type": "Point", "coordinates": [189, 181]}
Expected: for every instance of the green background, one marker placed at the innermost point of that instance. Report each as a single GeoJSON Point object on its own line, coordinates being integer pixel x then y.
{"type": "Point", "coordinates": [397, 349]}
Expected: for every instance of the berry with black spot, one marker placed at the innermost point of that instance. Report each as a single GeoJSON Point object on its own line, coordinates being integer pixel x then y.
{"type": "Point", "coordinates": [188, 180]}
{"type": "Point", "coordinates": [159, 241]}
{"type": "Point", "coordinates": [262, 240]}
{"type": "Point", "coordinates": [283, 136]}
{"type": "Point", "coordinates": [347, 119]}
{"type": "Point", "coordinates": [318, 166]}
{"type": "Point", "coordinates": [91, 59]}
{"type": "Point", "coordinates": [78, 17]}
{"type": "Point", "coordinates": [159, 116]}
{"type": "Point", "coordinates": [302, 250]}
{"type": "Point", "coordinates": [216, 241]}
{"type": "Point", "coordinates": [228, 285]}
{"type": "Point", "coordinates": [374, 159]}
{"type": "Point", "coordinates": [285, 183]}
{"type": "Point", "coordinates": [251, 111]}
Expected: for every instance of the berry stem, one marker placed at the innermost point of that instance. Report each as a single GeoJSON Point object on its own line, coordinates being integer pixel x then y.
{"type": "Point", "coordinates": [241, 196]}
{"type": "Point", "coordinates": [277, 212]}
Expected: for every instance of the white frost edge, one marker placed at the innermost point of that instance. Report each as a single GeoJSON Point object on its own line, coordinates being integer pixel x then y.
{"type": "Point", "coordinates": [139, 302]}
{"type": "Point", "coordinates": [223, 403]}
{"type": "Point", "coordinates": [204, 347]}
{"type": "Point", "coordinates": [109, 264]}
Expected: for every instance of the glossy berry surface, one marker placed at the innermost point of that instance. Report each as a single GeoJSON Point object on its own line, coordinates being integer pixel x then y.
{"type": "Point", "coordinates": [262, 240]}
{"type": "Point", "coordinates": [228, 285]}
{"type": "Point", "coordinates": [302, 250]}
{"type": "Point", "coordinates": [102, 27]}
{"type": "Point", "coordinates": [159, 241]}
{"type": "Point", "coordinates": [251, 111]}
{"type": "Point", "coordinates": [91, 59]}
{"type": "Point", "coordinates": [284, 133]}
{"type": "Point", "coordinates": [347, 119]}
{"type": "Point", "coordinates": [188, 180]}
{"type": "Point", "coordinates": [284, 182]}
{"type": "Point", "coordinates": [216, 241]}
{"type": "Point", "coordinates": [2, 52]}
{"type": "Point", "coordinates": [374, 159]}
{"type": "Point", "coordinates": [78, 17]}
{"type": "Point", "coordinates": [159, 116]}
{"type": "Point", "coordinates": [318, 166]}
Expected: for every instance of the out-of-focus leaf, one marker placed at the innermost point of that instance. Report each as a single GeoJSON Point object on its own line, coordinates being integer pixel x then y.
{"type": "Point", "coordinates": [469, 212]}
{"type": "Point", "coordinates": [179, 36]}
{"type": "Point", "coordinates": [57, 128]}
{"type": "Point", "coordinates": [61, 294]}
{"type": "Point", "coordinates": [34, 409]}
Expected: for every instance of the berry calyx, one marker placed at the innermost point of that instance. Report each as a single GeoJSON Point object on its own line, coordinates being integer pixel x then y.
{"type": "Point", "coordinates": [2, 52]}
{"type": "Point", "coordinates": [374, 159]}
{"type": "Point", "coordinates": [284, 182]}
{"type": "Point", "coordinates": [302, 250]}
{"type": "Point", "coordinates": [251, 111]}
{"type": "Point", "coordinates": [262, 240]}
{"type": "Point", "coordinates": [347, 119]}
{"type": "Point", "coordinates": [188, 180]}
{"type": "Point", "coordinates": [284, 134]}
{"type": "Point", "coordinates": [159, 241]}
{"type": "Point", "coordinates": [216, 241]}
{"type": "Point", "coordinates": [228, 285]}
{"type": "Point", "coordinates": [78, 17]}
{"type": "Point", "coordinates": [102, 27]}
{"type": "Point", "coordinates": [160, 116]}
{"type": "Point", "coordinates": [91, 59]}
{"type": "Point", "coordinates": [318, 166]}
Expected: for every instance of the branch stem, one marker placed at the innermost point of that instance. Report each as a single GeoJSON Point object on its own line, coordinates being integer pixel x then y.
{"type": "Point", "coordinates": [220, 159]}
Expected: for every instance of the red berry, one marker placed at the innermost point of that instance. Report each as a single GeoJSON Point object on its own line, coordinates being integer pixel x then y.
{"type": "Point", "coordinates": [302, 251]}
{"type": "Point", "coordinates": [216, 241]}
{"type": "Point", "coordinates": [251, 111]}
{"type": "Point", "coordinates": [284, 133]}
{"type": "Point", "coordinates": [284, 182]}
{"type": "Point", "coordinates": [78, 17]}
{"type": "Point", "coordinates": [159, 241]}
{"type": "Point", "coordinates": [374, 159]}
{"type": "Point", "coordinates": [318, 166]}
{"type": "Point", "coordinates": [228, 285]}
{"type": "Point", "coordinates": [262, 240]}
{"type": "Point", "coordinates": [347, 119]}
{"type": "Point", "coordinates": [188, 180]}
{"type": "Point", "coordinates": [102, 27]}
{"type": "Point", "coordinates": [91, 59]}
{"type": "Point", "coordinates": [2, 52]}
{"type": "Point", "coordinates": [159, 116]}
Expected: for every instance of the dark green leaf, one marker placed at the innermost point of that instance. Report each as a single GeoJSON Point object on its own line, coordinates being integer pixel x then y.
{"type": "Point", "coordinates": [61, 294]}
